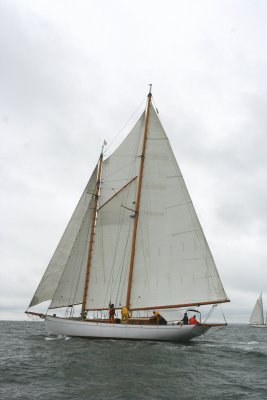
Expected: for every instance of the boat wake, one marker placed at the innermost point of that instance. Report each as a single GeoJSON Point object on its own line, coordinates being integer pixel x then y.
{"type": "Point", "coordinates": [57, 337]}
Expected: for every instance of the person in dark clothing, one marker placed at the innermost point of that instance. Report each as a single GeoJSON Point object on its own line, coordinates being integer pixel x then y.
{"type": "Point", "coordinates": [160, 319]}
{"type": "Point", "coordinates": [111, 312]}
{"type": "Point", "coordinates": [185, 319]}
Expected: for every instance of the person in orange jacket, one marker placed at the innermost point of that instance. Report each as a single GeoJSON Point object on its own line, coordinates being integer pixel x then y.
{"type": "Point", "coordinates": [193, 321]}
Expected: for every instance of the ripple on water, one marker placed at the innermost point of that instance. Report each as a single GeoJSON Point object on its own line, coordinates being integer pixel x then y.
{"type": "Point", "coordinates": [229, 365]}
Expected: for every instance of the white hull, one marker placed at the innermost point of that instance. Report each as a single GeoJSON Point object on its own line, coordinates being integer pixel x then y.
{"type": "Point", "coordinates": [76, 328]}
{"type": "Point", "coordinates": [258, 325]}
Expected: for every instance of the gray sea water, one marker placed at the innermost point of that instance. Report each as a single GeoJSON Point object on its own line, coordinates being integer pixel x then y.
{"type": "Point", "coordinates": [230, 364]}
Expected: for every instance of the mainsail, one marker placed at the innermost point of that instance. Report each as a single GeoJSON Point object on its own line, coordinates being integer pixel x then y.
{"type": "Point", "coordinates": [173, 265]}
{"type": "Point", "coordinates": [257, 313]}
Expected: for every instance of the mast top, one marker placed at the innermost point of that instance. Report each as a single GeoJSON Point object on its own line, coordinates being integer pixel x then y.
{"type": "Point", "coordinates": [150, 89]}
{"type": "Point", "coordinates": [102, 148]}
{"type": "Point", "coordinates": [138, 197]}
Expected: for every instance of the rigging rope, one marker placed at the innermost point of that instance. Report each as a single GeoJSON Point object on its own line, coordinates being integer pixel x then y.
{"type": "Point", "coordinates": [120, 131]}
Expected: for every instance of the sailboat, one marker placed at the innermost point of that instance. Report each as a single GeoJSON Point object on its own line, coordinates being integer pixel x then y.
{"type": "Point", "coordinates": [257, 318]}
{"type": "Point", "coordinates": [135, 242]}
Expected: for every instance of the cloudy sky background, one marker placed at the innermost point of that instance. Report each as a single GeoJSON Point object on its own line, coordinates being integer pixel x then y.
{"type": "Point", "coordinates": [72, 73]}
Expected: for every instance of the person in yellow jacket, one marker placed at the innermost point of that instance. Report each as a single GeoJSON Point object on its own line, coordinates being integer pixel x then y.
{"type": "Point", "coordinates": [157, 315]}
{"type": "Point", "coordinates": [124, 314]}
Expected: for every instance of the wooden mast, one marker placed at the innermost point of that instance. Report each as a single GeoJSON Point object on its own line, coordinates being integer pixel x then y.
{"type": "Point", "coordinates": [92, 233]}
{"type": "Point", "coordinates": [138, 196]}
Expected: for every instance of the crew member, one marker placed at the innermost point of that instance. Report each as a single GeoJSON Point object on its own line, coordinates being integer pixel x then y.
{"type": "Point", "coordinates": [124, 314]}
{"type": "Point", "coordinates": [185, 319]}
{"type": "Point", "coordinates": [159, 318]}
{"type": "Point", "coordinates": [193, 320]}
{"type": "Point", "coordinates": [111, 312]}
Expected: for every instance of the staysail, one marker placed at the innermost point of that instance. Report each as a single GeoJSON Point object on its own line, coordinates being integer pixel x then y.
{"type": "Point", "coordinates": [113, 235]}
{"type": "Point", "coordinates": [257, 313]}
{"type": "Point", "coordinates": [110, 260]}
{"type": "Point", "coordinates": [67, 247]}
{"type": "Point", "coordinates": [122, 165]}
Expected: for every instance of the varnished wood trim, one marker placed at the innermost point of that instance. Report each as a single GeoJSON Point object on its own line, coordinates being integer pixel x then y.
{"type": "Point", "coordinates": [180, 305]}
{"type": "Point", "coordinates": [92, 233]}
{"type": "Point", "coordinates": [41, 315]}
{"type": "Point", "coordinates": [117, 193]}
{"type": "Point", "coordinates": [130, 276]}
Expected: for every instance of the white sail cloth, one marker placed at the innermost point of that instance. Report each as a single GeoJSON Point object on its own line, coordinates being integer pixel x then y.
{"type": "Point", "coordinates": [173, 263]}
{"type": "Point", "coordinates": [112, 249]}
{"type": "Point", "coordinates": [123, 164]}
{"type": "Point", "coordinates": [257, 313]}
{"type": "Point", "coordinates": [63, 281]}
{"type": "Point", "coordinates": [64, 251]}
{"type": "Point", "coordinates": [108, 278]}
{"type": "Point", "coordinates": [70, 287]}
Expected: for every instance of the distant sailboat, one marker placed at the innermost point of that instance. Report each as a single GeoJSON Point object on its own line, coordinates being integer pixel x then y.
{"type": "Point", "coordinates": [257, 318]}
{"type": "Point", "coordinates": [134, 241]}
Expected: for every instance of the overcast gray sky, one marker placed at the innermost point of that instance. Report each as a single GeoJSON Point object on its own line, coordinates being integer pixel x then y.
{"type": "Point", "coordinates": [71, 75]}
